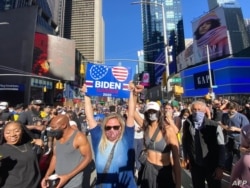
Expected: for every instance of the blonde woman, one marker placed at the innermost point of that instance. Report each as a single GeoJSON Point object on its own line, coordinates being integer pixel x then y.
{"type": "Point", "coordinates": [112, 143]}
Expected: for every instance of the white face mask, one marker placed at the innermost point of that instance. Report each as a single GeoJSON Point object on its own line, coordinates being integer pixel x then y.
{"type": "Point", "coordinates": [153, 117]}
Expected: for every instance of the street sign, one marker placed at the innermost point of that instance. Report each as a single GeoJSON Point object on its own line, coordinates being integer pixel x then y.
{"type": "Point", "coordinates": [176, 80]}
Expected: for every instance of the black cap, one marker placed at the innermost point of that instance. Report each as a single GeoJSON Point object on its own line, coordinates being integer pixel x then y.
{"type": "Point", "coordinates": [18, 106]}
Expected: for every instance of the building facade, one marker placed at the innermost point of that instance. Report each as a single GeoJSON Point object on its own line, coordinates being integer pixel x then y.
{"type": "Point", "coordinates": [212, 4]}
{"type": "Point", "coordinates": [153, 35]}
{"type": "Point", "coordinates": [84, 24]}
{"type": "Point", "coordinates": [45, 22]}
{"type": "Point", "coordinates": [22, 55]}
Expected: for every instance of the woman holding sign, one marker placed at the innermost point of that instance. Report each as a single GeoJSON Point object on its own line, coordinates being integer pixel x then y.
{"type": "Point", "coordinates": [112, 143]}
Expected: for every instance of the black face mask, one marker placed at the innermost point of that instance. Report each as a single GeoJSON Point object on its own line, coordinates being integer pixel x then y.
{"type": "Point", "coordinates": [58, 133]}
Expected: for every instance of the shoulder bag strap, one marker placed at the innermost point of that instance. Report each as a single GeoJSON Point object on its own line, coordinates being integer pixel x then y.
{"type": "Point", "coordinates": [109, 159]}
{"type": "Point", "coordinates": [157, 130]}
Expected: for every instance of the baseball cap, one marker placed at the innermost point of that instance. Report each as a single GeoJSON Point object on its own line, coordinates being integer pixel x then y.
{"type": "Point", "coordinates": [18, 106]}
{"type": "Point", "coordinates": [152, 106]}
{"type": "Point", "coordinates": [37, 102]}
{"type": "Point", "coordinates": [3, 105]}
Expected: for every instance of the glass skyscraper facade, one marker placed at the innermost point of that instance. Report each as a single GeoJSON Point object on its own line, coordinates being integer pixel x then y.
{"type": "Point", "coordinates": [153, 34]}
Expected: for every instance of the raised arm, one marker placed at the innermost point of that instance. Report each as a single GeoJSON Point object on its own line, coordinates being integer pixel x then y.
{"type": "Point", "coordinates": [88, 109]}
{"type": "Point", "coordinates": [131, 106]}
{"type": "Point", "coordinates": [138, 118]}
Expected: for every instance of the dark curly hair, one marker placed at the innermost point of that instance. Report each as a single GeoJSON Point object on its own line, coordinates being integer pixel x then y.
{"type": "Point", "coordinates": [214, 24]}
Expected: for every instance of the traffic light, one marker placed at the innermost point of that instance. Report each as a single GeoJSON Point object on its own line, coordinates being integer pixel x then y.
{"type": "Point", "coordinates": [59, 85]}
{"type": "Point", "coordinates": [44, 89]}
{"type": "Point", "coordinates": [82, 69]}
{"type": "Point", "coordinates": [178, 90]}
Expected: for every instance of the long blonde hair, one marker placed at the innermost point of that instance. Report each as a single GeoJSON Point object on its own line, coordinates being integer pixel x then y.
{"type": "Point", "coordinates": [104, 140]}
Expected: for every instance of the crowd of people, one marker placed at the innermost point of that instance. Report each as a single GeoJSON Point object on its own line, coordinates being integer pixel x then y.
{"type": "Point", "coordinates": [206, 137]}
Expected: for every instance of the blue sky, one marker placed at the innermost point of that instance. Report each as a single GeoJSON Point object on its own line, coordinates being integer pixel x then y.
{"type": "Point", "coordinates": [123, 31]}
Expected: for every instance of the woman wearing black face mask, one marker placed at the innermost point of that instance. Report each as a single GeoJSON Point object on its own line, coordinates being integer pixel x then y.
{"type": "Point", "coordinates": [160, 141]}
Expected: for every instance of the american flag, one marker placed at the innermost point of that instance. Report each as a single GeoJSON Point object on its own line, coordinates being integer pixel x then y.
{"type": "Point", "coordinates": [89, 83]}
{"type": "Point", "coordinates": [125, 87]}
{"type": "Point", "coordinates": [120, 73]}
{"type": "Point", "coordinates": [97, 72]}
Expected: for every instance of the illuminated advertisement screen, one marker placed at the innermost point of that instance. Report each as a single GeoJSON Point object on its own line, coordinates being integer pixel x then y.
{"type": "Point", "coordinates": [230, 76]}
{"type": "Point", "coordinates": [54, 57]}
{"type": "Point", "coordinates": [210, 30]}
{"type": "Point", "coordinates": [185, 58]}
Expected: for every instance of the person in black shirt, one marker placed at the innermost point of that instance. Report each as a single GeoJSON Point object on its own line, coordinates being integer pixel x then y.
{"type": "Point", "coordinates": [203, 148]}
{"type": "Point", "coordinates": [32, 119]}
{"type": "Point", "coordinates": [18, 164]}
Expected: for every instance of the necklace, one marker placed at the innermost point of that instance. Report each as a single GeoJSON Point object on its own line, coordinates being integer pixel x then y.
{"type": "Point", "coordinates": [19, 148]}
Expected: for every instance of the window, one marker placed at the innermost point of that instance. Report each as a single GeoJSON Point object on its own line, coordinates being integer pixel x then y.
{"type": "Point", "coordinates": [170, 14]}
{"type": "Point", "coordinates": [170, 26]}
{"type": "Point", "coordinates": [169, 2]}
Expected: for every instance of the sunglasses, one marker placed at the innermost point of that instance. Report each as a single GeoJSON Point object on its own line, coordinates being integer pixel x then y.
{"type": "Point", "coordinates": [115, 127]}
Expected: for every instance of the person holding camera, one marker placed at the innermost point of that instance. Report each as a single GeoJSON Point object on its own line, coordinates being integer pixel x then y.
{"type": "Point", "coordinates": [71, 154]}
{"type": "Point", "coordinates": [232, 122]}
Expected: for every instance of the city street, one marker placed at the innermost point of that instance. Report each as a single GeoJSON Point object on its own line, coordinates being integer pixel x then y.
{"type": "Point", "coordinates": [187, 182]}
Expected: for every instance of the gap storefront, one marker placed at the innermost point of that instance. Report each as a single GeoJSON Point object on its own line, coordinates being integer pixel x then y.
{"type": "Point", "coordinates": [230, 78]}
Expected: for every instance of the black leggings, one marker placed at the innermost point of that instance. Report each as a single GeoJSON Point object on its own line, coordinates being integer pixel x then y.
{"type": "Point", "coordinates": [154, 176]}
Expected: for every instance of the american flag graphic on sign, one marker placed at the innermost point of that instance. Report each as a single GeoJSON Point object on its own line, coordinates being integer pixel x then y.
{"type": "Point", "coordinates": [97, 72]}
{"type": "Point", "coordinates": [120, 73]}
{"type": "Point", "coordinates": [125, 87]}
{"type": "Point", "coordinates": [89, 83]}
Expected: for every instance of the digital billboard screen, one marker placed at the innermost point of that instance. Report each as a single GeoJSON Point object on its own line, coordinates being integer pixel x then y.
{"type": "Point", "coordinates": [210, 31]}
{"type": "Point", "coordinates": [54, 57]}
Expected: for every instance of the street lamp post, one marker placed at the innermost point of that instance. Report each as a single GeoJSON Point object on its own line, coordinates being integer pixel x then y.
{"type": "Point", "coordinates": [209, 67]}
{"type": "Point", "coordinates": [164, 36]}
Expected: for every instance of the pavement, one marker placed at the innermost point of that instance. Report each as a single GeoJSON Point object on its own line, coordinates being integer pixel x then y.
{"type": "Point", "coordinates": [187, 181]}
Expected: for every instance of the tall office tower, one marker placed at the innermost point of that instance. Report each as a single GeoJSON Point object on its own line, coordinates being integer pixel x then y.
{"type": "Point", "coordinates": [215, 3]}
{"type": "Point", "coordinates": [247, 23]}
{"type": "Point", "coordinates": [84, 24]}
{"type": "Point", "coordinates": [153, 34]}
{"type": "Point", "coordinates": [57, 9]}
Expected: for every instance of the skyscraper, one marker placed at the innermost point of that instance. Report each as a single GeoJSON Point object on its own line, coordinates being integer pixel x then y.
{"type": "Point", "coordinates": [215, 3]}
{"type": "Point", "coordinates": [84, 24]}
{"type": "Point", "coordinates": [153, 34]}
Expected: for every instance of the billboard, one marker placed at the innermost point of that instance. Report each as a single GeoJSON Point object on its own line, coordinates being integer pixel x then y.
{"type": "Point", "coordinates": [185, 58]}
{"type": "Point", "coordinates": [229, 75]}
{"type": "Point", "coordinates": [210, 30]}
{"type": "Point", "coordinates": [54, 57]}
